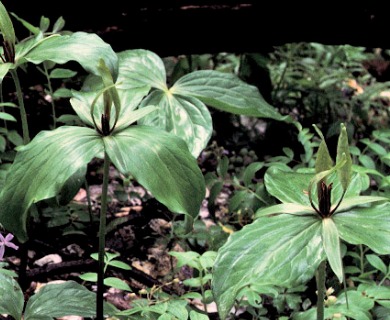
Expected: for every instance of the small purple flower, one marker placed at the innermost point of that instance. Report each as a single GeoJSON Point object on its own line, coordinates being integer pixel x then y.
{"type": "Point", "coordinates": [6, 242]}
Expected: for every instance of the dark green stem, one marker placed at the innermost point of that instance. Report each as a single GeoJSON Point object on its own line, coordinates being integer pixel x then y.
{"type": "Point", "coordinates": [102, 240]}
{"type": "Point", "coordinates": [320, 279]}
{"type": "Point", "coordinates": [23, 114]}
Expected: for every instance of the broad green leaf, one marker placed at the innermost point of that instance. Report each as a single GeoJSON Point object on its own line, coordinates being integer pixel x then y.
{"type": "Point", "coordinates": [345, 172]}
{"type": "Point", "coordinates": [64, 299]}
{"type": "Point", "coordinates": [72, 186]}
{"type": "Point", "coordinates": [225, 92]}
{"type": "Point", "coordinates": [358, 200]}
{"type": "Point", "coordinates": [40, 170]}
{"type": "Point", "coordinates": [266, 252]}
{"type": "Point", "coordinates": [161, 163]}
{"type": "Point", "coordinates": [186, 117]}
{"type": "Point", "coordinates": [85, 48]}
{"type": "Point", "coordinates": [11, 296]}
{"type": "Point", "coordinates": [376, 262]}
{"type": "Point", "coordinates": [366, 225]}
{"type": "Point", "coordinates": [139, 68]}
{"type": "Point", "coordinates": [177, 308]}
{"type": "Point", "coordinates": [285, 208]}
{"type": "Point", "coordinates": [331, 242]}
{"type": "Point", "coordinates": [292, 187]}
{"type": "Point", "coordinates": [288, 187]}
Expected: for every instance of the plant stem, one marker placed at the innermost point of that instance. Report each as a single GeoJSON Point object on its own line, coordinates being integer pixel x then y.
{"type": "Point", "coordinates": [320, 279]}
{"type": "Point", "coordinates": [53, 107]}
{"type": "Point", "coordinates": [23, 114]}
{"type": "Point", "coordinates": [102, 240]}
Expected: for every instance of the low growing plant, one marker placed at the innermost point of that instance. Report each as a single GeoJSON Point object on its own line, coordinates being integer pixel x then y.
{"type": "Point", "coordinates": [292, 241]}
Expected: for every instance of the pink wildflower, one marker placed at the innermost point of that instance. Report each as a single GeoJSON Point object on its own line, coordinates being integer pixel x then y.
{"type": "Point", "coordinates": [6, 242]}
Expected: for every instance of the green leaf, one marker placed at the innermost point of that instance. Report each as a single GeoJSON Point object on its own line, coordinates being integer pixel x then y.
{"type": "Point", "coordinates": [376, 262]}
{"type": "Point", "coordinates": [58, 25]}
{"type": "Point", "coordinates": [288, 187]}
{"type": "Point", "coordinates": [34, 30]}
{"type": "Point", "coordinates": [116, 283]}
{"type": "Point", "coordinates": [225, 92]}
{"type": "Point", "coordinates": [250, 172]}
{"type": "Point", "coordinates": [141, 68]}
{"type": "Point", "coordinates": [40, 170]}
{"type": "Point", "coordinates": [85, 48]}
{"type": "Point", "coordinates": [351, 202]}
{"type": "Point", "coordinates": [6, 26]}
{"type": "Point", "coordinates": [331, 242]}
{"type": "Point", "coordinates": [267, 253]}
{"type": "Point", "coordinates": [72, 186]}
{"type": "Point", "coordinates": [161, 163]}
{"type": "Point", "coordinates": [4, 68]}
{"type": "Point", "coordinates": [345, 172]}
{"type": "Point", "coordinates": [12, 299]}
{"type": "Point", "coordinates": [186, 117]}
{"type": "Point", "coordinates": [198, 316]}
{"type": "Point", "coordinates": [60, 73]}
{"type": "Point", "coordinates": [380, 294]}
{"type": "Point", "coordinates": [188, 258]}
{"type": "Point", "coordinates": [369, 226]}
{"type": "Point", "coordinates": [82, 101]}
{"type": "Point", "coordinates": [323, 160]}
{"type": "Point", "coordinates": [7, 116]}
{"type": "Point", "coordinates": [287, 208]}
{"type": "Point", "coordinates": [119, 264]}
{"type": "Point", "coordinates": [59, 300]}
{"type": "Point", "coordinates": [89, 276]}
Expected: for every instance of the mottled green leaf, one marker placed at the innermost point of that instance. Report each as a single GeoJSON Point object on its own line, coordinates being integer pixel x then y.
{"type": "Point", "coordinates": [331, 241]}
{"type": "Point", "coordinates": [85, 48]}
{"type": "Point", "coordinates": [186, 117]}
{"type": "Point", "coordinates": [161, 163]}
{"type": "Point", "coordinates": [139, 68]}
{"type": "Point", "coordinates": [11, 296]}
{"type": "Point", "coordinates": [266, 252]}
{"type": "Point", "coordinates": [6, 26]}
{"type": "Point", "coordinates": [225, 92]}
{"type": "Point", "coordinates": [366, 225]}
{"type": "Point", "coordinates": [40, 170]}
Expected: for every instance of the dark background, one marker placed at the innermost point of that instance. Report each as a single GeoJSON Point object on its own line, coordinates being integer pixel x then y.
{"type": "Point", "coordinates": [182, 27]}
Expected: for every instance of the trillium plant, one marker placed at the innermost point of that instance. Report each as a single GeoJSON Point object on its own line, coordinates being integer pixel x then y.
{"type": "Point", "coordinates": [290, 242]}
{"type": "Point", "coordinates": [160, 161]}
